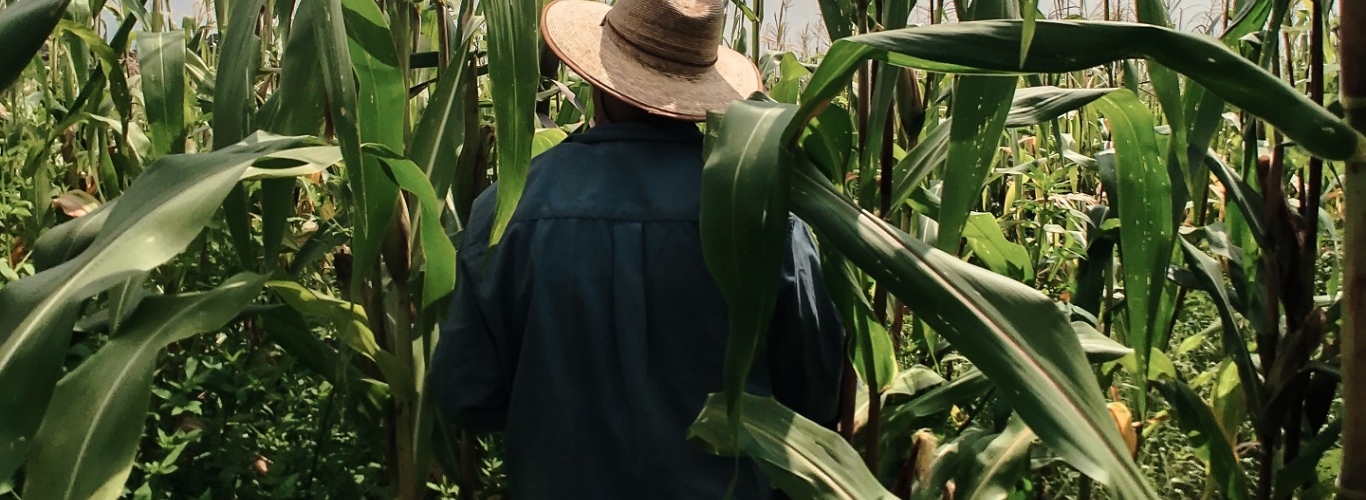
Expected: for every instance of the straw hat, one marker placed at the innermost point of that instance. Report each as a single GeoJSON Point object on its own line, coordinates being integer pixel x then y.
{"type": "Point", "coordinates": [660, 55]}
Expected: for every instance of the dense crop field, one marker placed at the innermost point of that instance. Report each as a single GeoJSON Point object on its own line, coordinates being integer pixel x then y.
{"type": "Point", "coordinates": [1081, 251]}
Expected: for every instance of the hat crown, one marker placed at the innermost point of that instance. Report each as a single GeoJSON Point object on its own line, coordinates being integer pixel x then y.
{"type": "Point", "coordinates": [681, 31]}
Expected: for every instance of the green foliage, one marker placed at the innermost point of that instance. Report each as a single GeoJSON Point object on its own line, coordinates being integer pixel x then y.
{"type": "Point", "coordinates": [1019, 264]}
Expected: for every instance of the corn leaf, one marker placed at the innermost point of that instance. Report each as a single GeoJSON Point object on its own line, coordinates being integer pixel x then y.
{"type": "Point", "coordinates": [514, 75]}
{"type": "Point", "coordinates": [838, 16]}
{"type": "Point", "coordinates": [233, 109]}
{"type": "Point", "coordinates": [990, 47]}
{"type": "Point", "coordinates": [1034, 105]}
{"type": "Point", "coordinates": [743, 222]}
{"type": "Point", "coordinates": [1147, 233]}
{"type": "Point", "coordinates": [905, 417]}
{"type": "Point", "coordinates": [1011, 332]}
{"type": "Point", "coordinates": [800, 457]}
{"type": "Point", "coordinates": [381, 102]}
{"type": "Point", "coordinates": [91, 432]}
{"type": "Point", "coordinates": [1198, 422]}
{"type": "Point", "coordinates": [998, 254]}
{"type": "Point", "coordinates": [997, 465]}
{"type": "Point", "coordinates": [980, 106]}
{"type": "Point", "coordinates": [161, 58]}
{"type": "Point", "coordinates": [24, 26]}
{"type": "Point", "coordinates": [870, 348]}
{"type": "Point", "coordinates": [156, 219]}
{"type": "Point", "coordinates": [439, 138]}
{"type": "Point", "coordinates": [1211, 278]}
{"type": "Point", "coordinates": [1251, 18]}
{"type": "Point", "coordinates": [438, 254]}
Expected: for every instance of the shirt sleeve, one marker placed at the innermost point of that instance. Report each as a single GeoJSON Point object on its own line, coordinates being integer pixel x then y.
{"type": "Point", "coordinates": [466, 373]}
{"type": "Point", "coordinates": [806, 340]}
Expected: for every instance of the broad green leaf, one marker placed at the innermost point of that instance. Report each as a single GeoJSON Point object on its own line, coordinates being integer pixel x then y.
{"type": "Point", "coordinates": [438, 140]}
{"type": "Point", "coordinates": [1034, 105]}
{"type": "Point", "coordinates": [97, 45]}
{"type": "Point", "coordinates": [1198, 422]}
{"type": "Point", "coordinates": [545, 139]}
{"type": "Point", "coordinates": [161, 60]}
{"type": "Point", "coordinates": [831, 140]}
{"type": "Point", "coordinates": [1029, 12]}
{"type": "Point", "coordinates": [514, 76]}
{"type": "Point", "coordinates": [1211, 278]}
{"type": "Point", "coordinates": [904, 418]}
{"type": "Point", "coordinates": [800, 457]}
{"type": "Point", "coordinates": [438, 254]}
{"type": "Point", "coordinates": [1248, 200]}
{"type": "Point", "coordinates": [991, 47]}
{"type": "Point", "coordinates": [66, 241]}
{"type": "Point", "coordinates": [909, 384]}
{"type": "Point", "coordinates": [1031, 106]}
{"type": "Point", "coordinates": [920, 161]}
{"type": "Point", "coordinates": [871, 346]}
{"type": "Point", "coordinates": [234, 104]}
{"type": "Point", "coordinates": [1228, 399]}
{"type": "Point", "coordinates": [287, 328]}
{"type": "Point", "coordinates": [743, 223]}
{"type": "Point", "coordinates": [1147, 233]}
{"type": "Point", "coordinates": [381, 102]}
{"type": "Point", "coordinates": [348, 318]}
{"type": "Point", "coordinates": [1303, 468]}
{"type": "Point", "coordinates": [980, 106]}
{"type": "Point", "coordinates": [297, 110]}
{"type": "Point", "coordinates": [1167, 85]}
{"type": "Point", "coordinates": [1001, 256]}
{"type": "Point", "coordinates": [156, 219]}
{"type": "Point", "coordinates": [838, 16]}
{"type": "Point", "coordinates": [997, 466]}
{"type": "Point", "coordinates": [1251, 18]}
{"type": "Point", "coordinates": [1013, 333]}
{"type": "Point", "coordinates": [92, 430]}
{"type": "Point", "coordinates": [297, 107]}
{"type": "Point", "coordinates": [912, 381]}
{"type": "Point", "coordinates": [24, 26]}
{"type": "Point", "coordinates": [1099, 348]}
{"type": "Point", "coordinates": [790, 74]}
{"type": "Point", "coordinates": [1204, 115]}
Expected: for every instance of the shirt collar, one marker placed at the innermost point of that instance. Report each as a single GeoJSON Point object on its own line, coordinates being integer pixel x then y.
{"type": "Point", "coordinates": [661, 131]}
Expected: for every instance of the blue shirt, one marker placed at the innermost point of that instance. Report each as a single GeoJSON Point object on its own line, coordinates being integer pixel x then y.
{"type": "Point", "coordinates": [593, 332]}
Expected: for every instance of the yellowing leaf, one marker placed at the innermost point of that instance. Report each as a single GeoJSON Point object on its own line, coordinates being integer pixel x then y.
{"type": "Point", "coordinates": [1124, 421]}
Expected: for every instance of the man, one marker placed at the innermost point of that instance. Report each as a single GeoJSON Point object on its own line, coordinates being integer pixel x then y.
{"type": "Point", "coordinates": [593, 332]}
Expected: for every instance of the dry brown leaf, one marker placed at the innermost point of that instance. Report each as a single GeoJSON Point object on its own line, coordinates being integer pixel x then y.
{"type": "Point", "coordinates": [1124, 420]}
{"type": "Point", "coordinates": [75, 203]}
{"type": "Point", "coordinates": [923, 446]}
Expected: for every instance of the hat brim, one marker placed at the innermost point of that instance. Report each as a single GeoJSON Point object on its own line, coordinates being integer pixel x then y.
{"type": "Point", "coordinates": [574, 31]}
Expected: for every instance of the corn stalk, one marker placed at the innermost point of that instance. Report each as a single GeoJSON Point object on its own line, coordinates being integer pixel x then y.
{"type": "Point", "coordinates": [1353, 39]}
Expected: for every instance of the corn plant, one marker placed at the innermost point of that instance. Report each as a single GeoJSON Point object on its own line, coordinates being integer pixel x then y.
{"type": "Point", "coordinates": [196, 134]}
{"type": "Point", "coordinates": [1035, 359]}
{"type": "Point", "coordinates": [1015, 211]}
